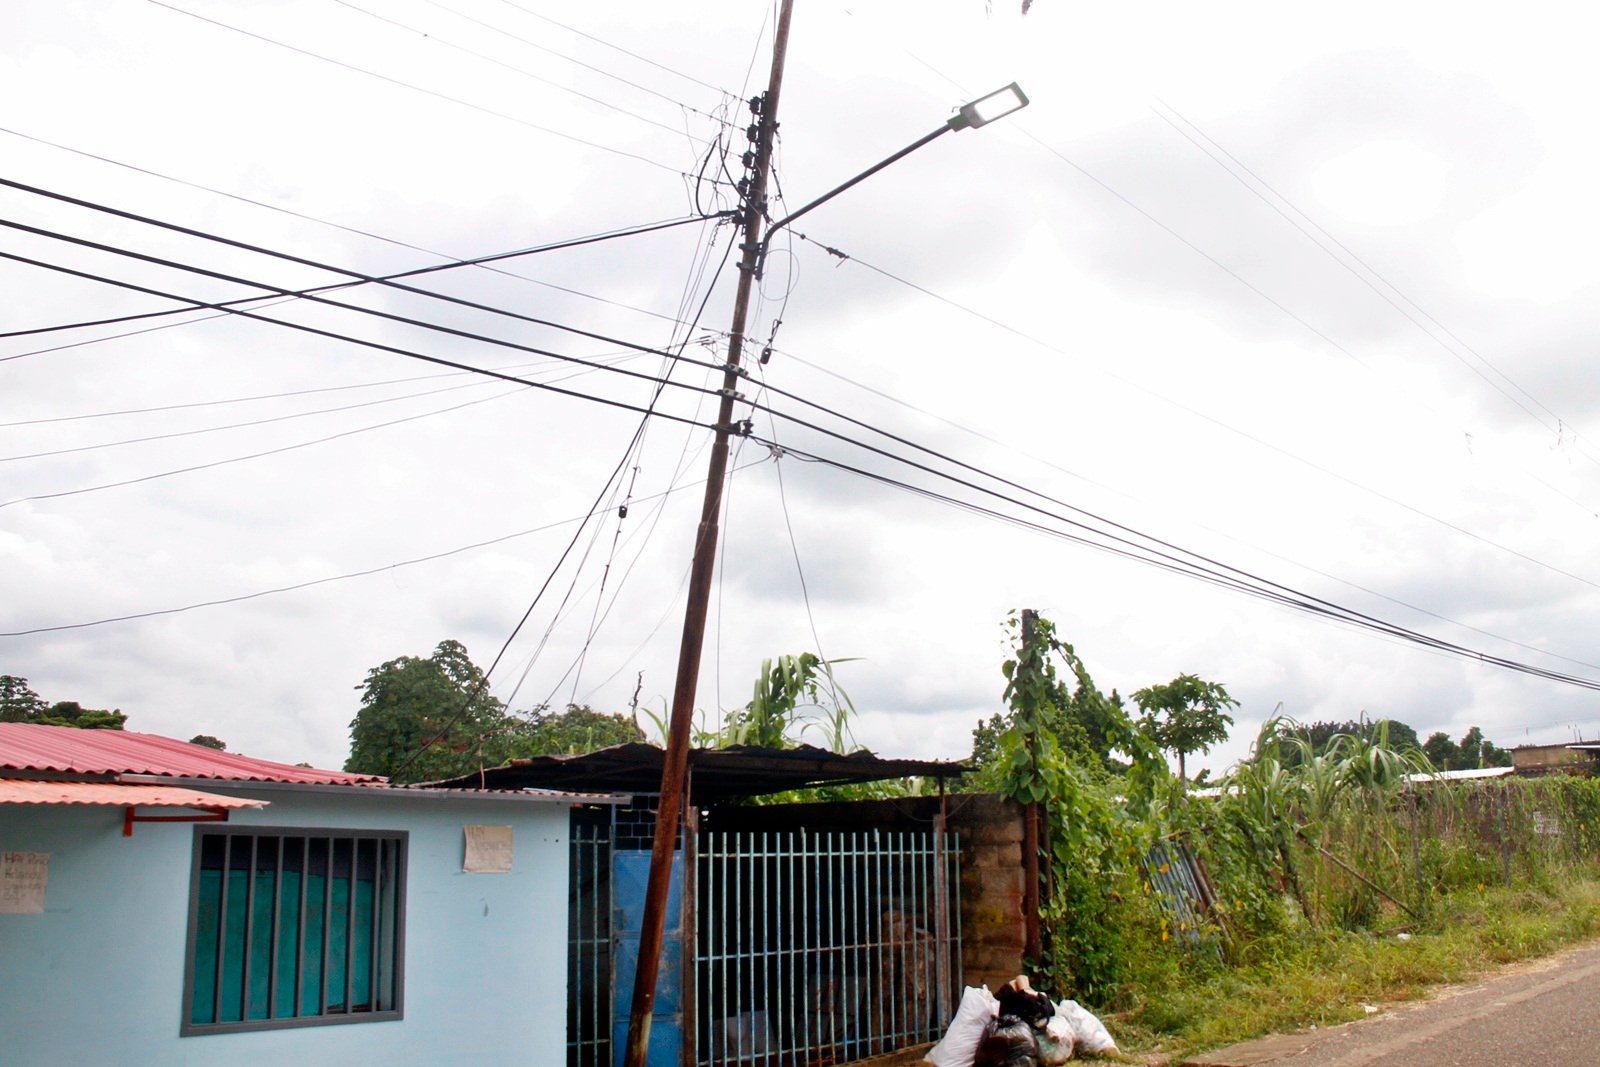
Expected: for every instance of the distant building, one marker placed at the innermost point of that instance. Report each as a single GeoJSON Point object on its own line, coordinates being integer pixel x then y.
{"type": "Point", "coordinates": [1572, 758]}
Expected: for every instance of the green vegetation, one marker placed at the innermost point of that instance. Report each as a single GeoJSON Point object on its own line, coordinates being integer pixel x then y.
{"type": "Point", "coordinates": [19, 703]}
{"type": "Point", "coordinates": [427, 719]}
{"type": "Point", "coordinates": [1337, 871]}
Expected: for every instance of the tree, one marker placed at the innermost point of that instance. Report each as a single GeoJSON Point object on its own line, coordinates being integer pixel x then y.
{"type": "Point", "coordinates": [19, 703]}
{"type": "Point", "coordinates": [208, 741]}
{"type": "Point", "coordinates": [425, 719]}
{"type": "Point", "coordinates": [1471, 753]}
{"type": "Point", "coordinates": [1440, 750]}
{"type": "Point", "coordinates": [577, 729]}
{"type": "Point", "coordinates": [1185, 715]}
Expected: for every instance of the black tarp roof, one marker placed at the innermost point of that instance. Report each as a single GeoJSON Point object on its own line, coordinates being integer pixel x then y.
{"type": "Point", "coordinates": [715, 773]}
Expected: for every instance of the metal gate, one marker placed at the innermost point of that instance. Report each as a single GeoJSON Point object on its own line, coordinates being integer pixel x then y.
{"type": "Point", "coordinates": [589, 939]}
{"type": "Point", "coordinates": [822, 947]}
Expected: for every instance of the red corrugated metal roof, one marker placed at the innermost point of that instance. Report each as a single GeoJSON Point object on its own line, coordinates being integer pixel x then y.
{"type": "Point", "coordinates": [112, 794]}
{"type": "Point", "coordinates": [26, 746]}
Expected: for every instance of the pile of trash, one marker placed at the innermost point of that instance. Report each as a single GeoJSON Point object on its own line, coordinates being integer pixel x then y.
{"type": "Point", "coordinates": [1018, 1028]}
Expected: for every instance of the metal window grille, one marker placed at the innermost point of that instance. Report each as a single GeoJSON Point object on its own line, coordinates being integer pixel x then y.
{"type": "Point", "coordinates": [293, 928]}
{"type": "Point", "coordinates": [589, 939]}
{"type": "Point", "coordinates": [823, 947]}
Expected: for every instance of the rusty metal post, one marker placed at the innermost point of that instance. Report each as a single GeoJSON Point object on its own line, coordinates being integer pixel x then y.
{"type": "Point", "coordinates": [941, 906]}
{"type": "Point", "coordinates": [701, 573]}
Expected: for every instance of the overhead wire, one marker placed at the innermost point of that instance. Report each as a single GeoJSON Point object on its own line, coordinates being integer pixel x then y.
{"type": "Point", "coordinates": [420, 89]}
{"type": "Point", "coordinates": [358, 278]}
{"type": "Point", "coordinates": [1053, 465]}
{"type": "Point", "coordinates": [692, 284]}
{"type": "Point", "coordinates": [434, 38]}
{"type": "Point", "coordinates": [280, 209]}
{"type": "Point", "coordinates": [393, 349]}
{"type": "Point", "coordinates": [608, 44]}
{"type": "Point", "coordinates": [1368, 275]}
{"type": "Point", "coordinates": [373, 312]}
{"type": "Point", "coordinates": [1222, 425]}
{"type": "Point", "coordinates": [529, 42]}
{"type": "Point", "coordinates": [1270, 591]}
{"type": "Point", "coordinates": [311, 295]}
{"type": "Point", "coordinates": [275, 419]}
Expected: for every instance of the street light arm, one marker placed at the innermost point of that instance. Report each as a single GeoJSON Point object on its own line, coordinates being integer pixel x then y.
{"type": "Point", "coordinates": [761, 256]}
{"type": "Point", "coordinates": [970, 116]}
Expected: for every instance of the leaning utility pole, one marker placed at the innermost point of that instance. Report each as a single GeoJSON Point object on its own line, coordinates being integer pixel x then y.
{"type": "Point", "coordinates": [675, 766]}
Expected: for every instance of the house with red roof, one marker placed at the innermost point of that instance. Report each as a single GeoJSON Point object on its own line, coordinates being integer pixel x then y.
{"type": "Point", "coordinates": [164, 903]}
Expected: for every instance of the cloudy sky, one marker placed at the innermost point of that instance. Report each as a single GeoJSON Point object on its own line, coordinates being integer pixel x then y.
{"type": "Point", "coordinates": [1308, 293]}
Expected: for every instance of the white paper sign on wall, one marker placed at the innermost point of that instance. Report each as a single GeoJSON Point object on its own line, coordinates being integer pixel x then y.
{"type": "Point", "coordinates": [22, 880]}
{"type": "Point", "coordinates": [488, 850]}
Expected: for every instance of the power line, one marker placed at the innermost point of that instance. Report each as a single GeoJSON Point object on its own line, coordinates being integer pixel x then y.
{"type": "Point", "coordinates": [271, 420]}
{"type": "Point", "coordinates": [306, 295]}
{"type": "Point", "coordinates": [358, 276]}
{"type": "Point", "coordinates": [361, 279]}
{"type": "Point", "coordinates": [1055, 466]}
{"type": "Point", "coordinates": [339, 337]}
{"type": "Point", "coordinates": [1049, 346]}
{"type": "Point", "coordinates": [1191, 132]}
{"type": "Point", "coordinates": [436, 39]}
{"type": "Point", "coordinates": [608, 44]}
{"type": "Point", "coordinates": [419, 89]}
{"type": "Point", "coordinates": [1271, 591]}
{"type": "Point", "coordinates": [479, 262]}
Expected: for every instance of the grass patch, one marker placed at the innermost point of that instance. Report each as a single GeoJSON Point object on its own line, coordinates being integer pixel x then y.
{"type": "Point", "coordinates": [1302, 979]}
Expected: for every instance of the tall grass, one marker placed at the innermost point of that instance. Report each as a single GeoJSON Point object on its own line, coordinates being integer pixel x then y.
{"type": "Point", "coordinates": [1337, 878]}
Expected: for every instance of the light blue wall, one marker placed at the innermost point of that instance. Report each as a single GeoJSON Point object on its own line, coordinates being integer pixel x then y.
{"type": "Point", "coordinates": [98, 978]}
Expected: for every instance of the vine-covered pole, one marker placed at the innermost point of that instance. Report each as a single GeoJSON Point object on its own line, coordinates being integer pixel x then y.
{"type": "Point", "coordinates": [1033, 946]}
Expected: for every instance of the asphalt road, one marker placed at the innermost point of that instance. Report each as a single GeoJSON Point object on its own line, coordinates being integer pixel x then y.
{"type": "Point", "coordinates": [1539, 1013]}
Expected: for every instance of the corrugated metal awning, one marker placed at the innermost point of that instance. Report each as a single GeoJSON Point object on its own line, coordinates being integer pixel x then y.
{"type": "Point", "coordinates": [110, 794]}
{"type": "Point", "coordinates": [207, 807]}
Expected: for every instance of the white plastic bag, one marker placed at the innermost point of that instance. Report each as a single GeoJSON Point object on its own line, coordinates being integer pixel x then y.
{"type": "Point", "coordinates": [1057, 1042]}
{"type": "Point", "coordinates": [1088, 1032]}
{"type": "Point", "coordinates": [959, 1046]}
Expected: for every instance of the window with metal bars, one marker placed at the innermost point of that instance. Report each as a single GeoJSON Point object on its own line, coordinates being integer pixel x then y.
{"type": "Point", "coordinates": [294, 928]}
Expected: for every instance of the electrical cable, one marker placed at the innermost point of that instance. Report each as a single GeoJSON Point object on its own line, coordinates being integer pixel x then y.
{"type": "Point", "coordinates": [271, 420]}
{"type": "Point", "coordinates": [1287, 597]}
{"type": "Point", "coordinates": [360, 279]}
{"type": "Point", "coordinates": [1206, 561]}
{"type": "Point", "coordinates": [373, 312]}
{"type": "Point", "coordinates": [347, 229]}
{"type": "Point", "coordinates": [697, 273]}
{"type": "Point", "coordinates": [578, 62]}
{"type": "Point", "coordinates": [1216, 153]}
{"type": "Point", "coordinates": [419, 89]}
{"type": "Point", "coordinates": [334, 336]}
{"type": "Point", "coordinates": [633, 445]}
{"type": "Point", "coordinates": [1202, 416]}
{"type": "Point", "coordinates": [1100, 485]}
{"type": "Point", "coordinates": [608, 44]}
{"type": "Point", "coordinates": [303, 261]}
{"type": "Point", "coordinates": [436, 39]}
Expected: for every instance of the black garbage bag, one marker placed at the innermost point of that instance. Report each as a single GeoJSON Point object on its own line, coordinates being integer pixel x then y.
{"type": "Point", "coordinates": [1008, 1041]}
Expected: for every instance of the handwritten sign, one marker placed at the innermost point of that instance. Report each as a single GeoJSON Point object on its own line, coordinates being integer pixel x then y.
{"type": "Point", "coordinates": [22, 881]}
{"type": "Point", "coordinates": [488, 850]}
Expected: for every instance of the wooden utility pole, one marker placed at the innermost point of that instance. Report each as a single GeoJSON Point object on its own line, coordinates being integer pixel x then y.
{"type": "Point", "coordinates": [675, 766]}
